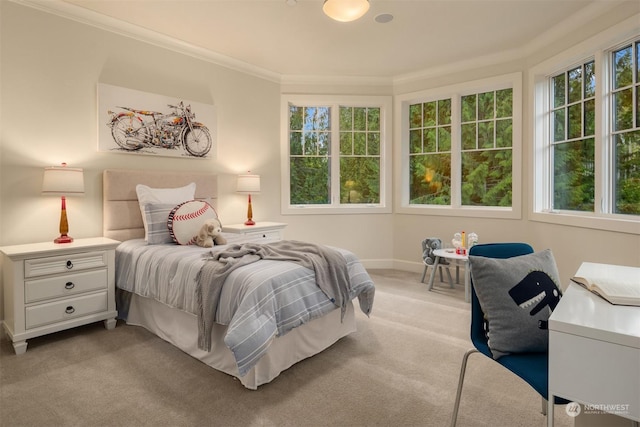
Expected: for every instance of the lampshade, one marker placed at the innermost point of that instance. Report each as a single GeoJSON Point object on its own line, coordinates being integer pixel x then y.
{"type": "Point", "coordinates": [345, 10]}
{"type": "Point", "coordinates": [248, 183]}
{"type": "Point", "coordinates": [63, 181]}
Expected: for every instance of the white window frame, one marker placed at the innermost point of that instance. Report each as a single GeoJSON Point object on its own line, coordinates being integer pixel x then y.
{"type": "Point", "coordinates": [455, 92]}
{"type": "Point", "coordinates": [335, 207]}
{"type": "Point", "coordinates": [599, 49]}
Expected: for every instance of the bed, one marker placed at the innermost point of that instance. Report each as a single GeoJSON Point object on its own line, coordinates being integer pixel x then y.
{"type": "Point", "coordinates": [148, 277]}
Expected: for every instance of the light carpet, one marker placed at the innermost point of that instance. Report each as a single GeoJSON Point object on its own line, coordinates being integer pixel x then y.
{"type": "Point", "coordinates": [400, 369]}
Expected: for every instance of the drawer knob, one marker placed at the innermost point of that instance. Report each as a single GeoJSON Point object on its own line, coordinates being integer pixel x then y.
{"type": "Point", "coordinates": [69, 285]}
{"type": "Point", "coordinates": [69, 265]}
{"type": "Point", "coordinates": [70, 310]}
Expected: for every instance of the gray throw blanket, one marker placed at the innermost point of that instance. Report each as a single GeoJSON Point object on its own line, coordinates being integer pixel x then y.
{"type": "Point", "coordinates": [330, 267]}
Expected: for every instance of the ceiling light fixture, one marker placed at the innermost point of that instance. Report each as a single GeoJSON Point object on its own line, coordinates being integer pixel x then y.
{"type": "Point", "coordinates": [345, 10]}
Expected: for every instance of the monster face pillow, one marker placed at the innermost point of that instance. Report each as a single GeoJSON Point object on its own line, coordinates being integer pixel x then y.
{"type": "Point", "coordinates": [516, 295]}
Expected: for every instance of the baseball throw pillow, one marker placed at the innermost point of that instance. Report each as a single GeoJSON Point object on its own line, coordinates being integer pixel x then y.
{"type": "Point", "coordinates": [186, 219]}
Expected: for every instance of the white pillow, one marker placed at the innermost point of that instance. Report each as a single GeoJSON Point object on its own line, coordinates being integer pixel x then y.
{"type": "Point", "coordinates": [148, 195]}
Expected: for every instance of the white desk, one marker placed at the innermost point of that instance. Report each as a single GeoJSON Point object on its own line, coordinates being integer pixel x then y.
{"type": "Point", "coordinates": [594, 354]}
{"type": "Point", "coordinates": [451, 254]}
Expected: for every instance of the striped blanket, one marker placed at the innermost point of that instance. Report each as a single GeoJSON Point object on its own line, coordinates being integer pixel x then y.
{"type": "Point", "coordinates": [328, 265]}
{"type": "Point", "coordinates": [259, 301]}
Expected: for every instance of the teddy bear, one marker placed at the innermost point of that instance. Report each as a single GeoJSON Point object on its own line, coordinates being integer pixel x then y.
{"type": "Point", "coordinates": [431, 244]}
{"type": "Point", "coordinates": [209, 234]}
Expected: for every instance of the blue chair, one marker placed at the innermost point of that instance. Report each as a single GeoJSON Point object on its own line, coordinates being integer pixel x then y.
{"type": "Point", "coordinates": [531, 367]}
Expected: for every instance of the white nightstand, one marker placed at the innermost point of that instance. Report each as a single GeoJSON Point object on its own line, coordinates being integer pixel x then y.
{"type": "Point", "coordinates": [50, 287]}
{"type": "Point", "coordinates": [265, 230]}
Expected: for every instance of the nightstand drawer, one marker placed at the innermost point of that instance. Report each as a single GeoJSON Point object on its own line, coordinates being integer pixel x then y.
{"type": "Point", "coordinates": [59, 311]}
{"type": "Point", "coordinates": [36, 267]}
{"type": "Point", "coordinates": [257, 232]}
{"type": "Point", "coordinates": [63, 285]}
{"type": "Point", "coordinates": [274, 234]}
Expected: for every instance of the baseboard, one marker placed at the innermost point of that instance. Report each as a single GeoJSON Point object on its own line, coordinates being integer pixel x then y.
{"type": "Point", "coordinates": [394, 264]}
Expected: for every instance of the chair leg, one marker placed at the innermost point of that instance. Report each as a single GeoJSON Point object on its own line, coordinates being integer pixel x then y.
{"type": "Point", "coordinates": [441, 273]}
{"type": "Point", "coordinates": [424, 273]}
{"type": "Point", "coordinates": [544, 405]}
{"type": "Point", "coordinates": [463, 368]}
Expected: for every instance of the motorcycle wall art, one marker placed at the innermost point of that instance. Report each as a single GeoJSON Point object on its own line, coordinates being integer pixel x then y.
{"type": "Point", "coordinates": [172, 131]}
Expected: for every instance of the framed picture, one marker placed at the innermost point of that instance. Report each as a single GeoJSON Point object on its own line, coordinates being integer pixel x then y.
{"type": "Point", "coordinates": [135, 122]}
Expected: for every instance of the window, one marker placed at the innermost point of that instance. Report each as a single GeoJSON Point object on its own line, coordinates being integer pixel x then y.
{"type": "Point", "coordinates": [334, 153]}
{"type": "Point", "coordinates": [572, 137]}
{"type": "Point", "coordinates": [487, 135]}
{"type": "Point", "coordinates": [587, 135]}
{"type": "Point", "coordinates": [430, 152]}
{"type": "Point", "coordinates": [459, 146]}
{"type": "Point", "coordinates": [625, 123]}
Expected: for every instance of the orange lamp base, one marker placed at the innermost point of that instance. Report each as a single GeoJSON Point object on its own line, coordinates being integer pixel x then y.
{"type": "Point", "coordinates": [249, 220]}
{"type": "Point", "coordinates": [64, 225]}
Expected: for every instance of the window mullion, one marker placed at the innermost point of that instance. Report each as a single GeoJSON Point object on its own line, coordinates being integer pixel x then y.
{"type": "Point", "coordinates": [334, 155]}
{"type": "Point", "coordinates": [456, 151]}
{"type": "Point", "coordinates": [542, 135]}
{"type": "Point", "coordinates": [546, 151]}
{"type": "Point", "coordinates": [602, 144]}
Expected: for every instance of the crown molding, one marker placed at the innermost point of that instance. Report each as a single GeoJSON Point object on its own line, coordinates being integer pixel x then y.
{"type": "Point", "coordinates": [335, 80]}
{"type": "Point", "coordinates": [576, 21]}
{"type": "Point", "coordinates": [94, 19]}
{"type": "Point", "coordinates": [88, 17]}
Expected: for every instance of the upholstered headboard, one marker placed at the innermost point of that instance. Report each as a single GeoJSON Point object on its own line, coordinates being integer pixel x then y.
{"type": "Point", "coordinates": [121, 212]}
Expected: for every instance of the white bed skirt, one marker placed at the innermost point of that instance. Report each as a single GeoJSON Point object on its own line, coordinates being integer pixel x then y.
{"type": "Point", "coordinates": [180, 328]}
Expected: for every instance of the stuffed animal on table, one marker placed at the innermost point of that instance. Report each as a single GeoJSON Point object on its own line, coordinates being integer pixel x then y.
{"type": "Point", "coordinates": [209, 234]}
{"type": "Point", "coordinates": [428, 256]}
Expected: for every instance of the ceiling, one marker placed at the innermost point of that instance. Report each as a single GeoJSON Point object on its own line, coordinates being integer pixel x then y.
{"type": "Point", "coordinates": [278, 39]}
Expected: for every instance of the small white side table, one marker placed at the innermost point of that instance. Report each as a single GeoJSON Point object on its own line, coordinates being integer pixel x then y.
{"type": "Point", "coordinates": [451, 254]}
{"type": "Point", "coordinates": [51, 287]}
{"type": "Point", "coordinates": [264, 230]}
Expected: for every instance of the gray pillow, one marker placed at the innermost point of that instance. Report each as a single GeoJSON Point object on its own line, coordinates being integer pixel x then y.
{"type": "Point", "coordinates": [515, 295]}
{"type": "Point", "coordinates": [156, 219]}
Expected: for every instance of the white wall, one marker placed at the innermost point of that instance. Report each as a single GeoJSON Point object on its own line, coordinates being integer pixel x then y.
{"type": "Point", "coordinates": [49, 70]}
{"type": "Point", "coordinates": [570, 245]}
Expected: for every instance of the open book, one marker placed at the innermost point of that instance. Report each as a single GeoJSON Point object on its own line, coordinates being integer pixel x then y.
{"type": "Point", "coordinates": [616, 283]}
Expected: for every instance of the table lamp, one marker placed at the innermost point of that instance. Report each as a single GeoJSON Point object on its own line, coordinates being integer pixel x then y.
{"type": "Point", "coordinates": [63, 181]}
{"type": "Point", "coordinates": [249, 183]}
